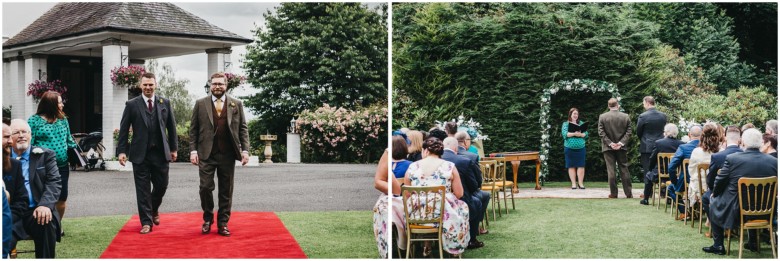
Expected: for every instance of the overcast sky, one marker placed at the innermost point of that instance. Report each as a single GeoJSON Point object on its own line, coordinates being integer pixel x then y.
{"type": "Point", "coordinates": [238, 18]}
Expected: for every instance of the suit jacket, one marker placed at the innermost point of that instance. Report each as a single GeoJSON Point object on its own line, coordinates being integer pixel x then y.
{"type": "Point", "coordinates": [750, 164]}
{"type": "Point", "coordinates": [14, 183]}
{"type": "Point", "coordinates": [665, 145]}
{"type": "Point", "coordinates": [649, 128]}
{"type": "Point", "coordinates": [474, 158]}
{"type": "Point", "coordinates": [683, 152]}
{"type": "Point", "coordinates": [202, 128]}
{"type": "Point", "coordinates": [614, 127]}
{"type": "Point", "coordinates": [133, 116]}
{"type": "Point", "coordinates": [45, 185]}
{"type": "Point", "coordinates": [467, 175]}
{"type": "Point", "coordinates": [716, 162]}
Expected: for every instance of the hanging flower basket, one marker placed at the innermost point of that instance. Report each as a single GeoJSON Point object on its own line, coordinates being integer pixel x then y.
{"type": "Point", "coordinates": [37, 88]}
{"type": "Point", "coordinates": [127, 76]}
{"type": "Point", "coordinates": [234, 81]}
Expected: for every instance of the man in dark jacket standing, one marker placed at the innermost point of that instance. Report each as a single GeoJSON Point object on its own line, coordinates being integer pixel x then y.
{"type": "Point", "coordinates": [649, 128]}
{"type": "Point", "coordinates": [724, 210]}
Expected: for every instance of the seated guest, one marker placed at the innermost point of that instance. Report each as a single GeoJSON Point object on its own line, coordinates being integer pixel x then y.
{"type": "Point", "coordinates": [471, 143]}
{"type": "Point", "coordinates": [32, 214]}
{"type": "Point", "coordinates": [415, 145]}
{"type": "Point", "coordinates": [438, 133]}
{"type": "Point", "coordinates": [471, 176]}
{"type": "Point", "coordinates": [771, 127]}
{"type": "Point", "coordinates": [382, 183]}
{"type": "Point", "coordinates": [716, 162]}
{"type": "Point", "coordinates": [683, 152]}
{"type": "Point", "coordinates": [668, 144]}
{"type": "Point", "coordinates": [13, 186]}
{"type": "Point", "coordinates": [747, 126]}
{"type": "Point", "coordinates": [709, 144]}
{"type": "Point", "coordinates": [770, 145]}
{"type": "Point", "coordinates": [450, 128]}
{"type": "Point", "coordinates": [463, 139]}
{"type": "Point", "coordinates": [432, 170]}
{"type": "Point", "coordinates": [724, 210]}
{"type": "Point", "coordinates": [400, 164]}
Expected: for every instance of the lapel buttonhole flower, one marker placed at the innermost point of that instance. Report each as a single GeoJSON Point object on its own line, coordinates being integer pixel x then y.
{"type": "Point", "coordinates": [161, 101]}
{"type": "Point", "coordinates": [232, 104]}
{"type": "Point", "coordinates": [37, 150]}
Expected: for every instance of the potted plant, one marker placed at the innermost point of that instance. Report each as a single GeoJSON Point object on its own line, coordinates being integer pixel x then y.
{"type": "Point", "coordinates": [128, 77]}
{"type": "Point", "coordinates": [37, 88]}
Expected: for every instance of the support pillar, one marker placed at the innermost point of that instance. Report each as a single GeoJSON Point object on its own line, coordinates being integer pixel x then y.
{"type": "Point", "coordinates": [218, 60]}
{"type": "Point", "coordinates": [34, 69]}
{"type": "Point", "coordinates": [114, 97]}
{"type": "Point", "coordinates": [8, 88]}
{"type": "Point", "coordinates": [19, 89]}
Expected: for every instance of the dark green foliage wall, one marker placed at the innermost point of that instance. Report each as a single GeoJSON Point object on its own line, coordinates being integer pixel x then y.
{"type": "Point", "coordinates": [493, 65]}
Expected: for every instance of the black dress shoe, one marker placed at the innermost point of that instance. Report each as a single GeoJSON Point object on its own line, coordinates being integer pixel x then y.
{"type": "Point", "coordinates": [156, 220]}
{"type": "Point", "coordinates": [206, 228]}
{"type": "Point", "coordinates": [644, 202]}
{"type": "Point", "coordinates": [714, 250]}
{"type": "Point", "coordinates": [223, 231]}
{"type": "Point", "coordinates": [475, 244]}
{"type": "Point", "coordinates": [751, 247]}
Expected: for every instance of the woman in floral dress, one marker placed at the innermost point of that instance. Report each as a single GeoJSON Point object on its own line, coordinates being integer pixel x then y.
{"type": "Point", "coordinates": [433, 171]}
{"type": "Point", "coordinates": [381, 183]}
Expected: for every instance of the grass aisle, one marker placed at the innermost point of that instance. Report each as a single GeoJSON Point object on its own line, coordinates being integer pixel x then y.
{"type": "Point", "coordinates": [85, 237]}
{"type": "Point", "coordinates": [334, 234]}
{"type": "Point", "coordinates": [594, 228]}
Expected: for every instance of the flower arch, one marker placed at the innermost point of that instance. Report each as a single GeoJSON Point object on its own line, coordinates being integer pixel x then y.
{"type": "Point", "coordinates": [586, 85]}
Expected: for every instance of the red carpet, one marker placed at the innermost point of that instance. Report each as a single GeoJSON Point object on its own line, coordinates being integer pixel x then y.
{"type": "Point", "coordinates": [253, 235]}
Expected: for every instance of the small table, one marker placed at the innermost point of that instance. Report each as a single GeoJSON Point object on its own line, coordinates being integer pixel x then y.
{"type": "Point", "coordinates": [518, 156]}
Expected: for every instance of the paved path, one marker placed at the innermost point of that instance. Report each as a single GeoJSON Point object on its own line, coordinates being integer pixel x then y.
{"type": "Point", "coordinates": [274, 187]}
{"type": "Point", "coordinates": [573, 193]}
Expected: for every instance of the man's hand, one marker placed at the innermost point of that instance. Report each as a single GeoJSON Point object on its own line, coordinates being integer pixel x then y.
{"type": "Point", "coordinates": [122, 159]}
{"type": "Point", "coordinates": [173, 156]}
{"type": "Point", "coordinates": [194, 158]}
{"type": "Point", "coordinates": [42, 215]}
{"type": "Point", "coordinates": [244, 158]}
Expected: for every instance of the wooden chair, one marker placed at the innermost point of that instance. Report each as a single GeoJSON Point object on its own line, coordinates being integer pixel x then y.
{"type": "Point", "coordinates": [757, 197]}
{"type": "Point", "coordinates": [681, 197]}
{"type": "Point", "coordinates": [501, 181]}
{"type": "Point", "coordinates": [424, 213]}
{"type": "Point", "coordinates": [701, 171]}
{"type": "Point", "coordinates": [489, 183]}
{"type": "Point", "coordinates": [663, 174]}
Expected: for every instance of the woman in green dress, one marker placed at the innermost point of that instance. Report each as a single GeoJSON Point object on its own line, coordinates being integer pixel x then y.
{"type": "Point", "coordinates": [574, 149]}
{"type": "Point", "coordinates": [50, 130]}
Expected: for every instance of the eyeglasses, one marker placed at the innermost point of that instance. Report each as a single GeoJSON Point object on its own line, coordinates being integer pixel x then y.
{"type": "Point", "coordinates": [22, 132]}
{"type": "Point", "coordinates": [218, 84]}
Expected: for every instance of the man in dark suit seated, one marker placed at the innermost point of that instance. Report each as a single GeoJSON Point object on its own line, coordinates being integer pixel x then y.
{"type": "Point", "coordinates": [716, 162]}
{"type": "Point", "coordinates": [668, 144]}
{"type": "Point", "coordinates": [14, 187]}
{"type": "Point", "coordinates": [683, 152]}
{"type": "Point", "coordinates": [483, 196]}
{"type": "Point", "coordinates": [32, 213]}
{"type": "Point", "coordinates": [724, 210]}
{"type": "Point", "coordinates": [471, 177]}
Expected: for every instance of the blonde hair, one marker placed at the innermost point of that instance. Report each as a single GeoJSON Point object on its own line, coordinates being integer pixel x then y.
{"type": "Point", "coordinates": [416, 139]}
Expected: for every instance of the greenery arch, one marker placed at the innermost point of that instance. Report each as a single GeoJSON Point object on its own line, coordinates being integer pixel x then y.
{"type": "Point", "coordinates": [586, 85]}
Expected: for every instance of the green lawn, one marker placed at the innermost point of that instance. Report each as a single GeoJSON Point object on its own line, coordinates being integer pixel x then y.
{"type": "Point", "coordinates": [594, 228]}
{"type": "Point", "coordinates": [338, 234]}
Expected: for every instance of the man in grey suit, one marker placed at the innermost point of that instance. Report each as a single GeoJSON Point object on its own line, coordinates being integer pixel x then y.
{"type": "Point", "coordinates": [724, 208]}
{"type": "Point", "coordinates": [32, 212]}
{"type": "Point", "coordinates": [649, 128]}
{"type": "Point", "coordinates": [615, 132]}
{"type": "Point", "coordinates": [218, 138]}
{"type": "Point", "coordinates": [154, 145]}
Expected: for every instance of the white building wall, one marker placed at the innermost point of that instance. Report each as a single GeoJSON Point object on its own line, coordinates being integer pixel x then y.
{"type": "Point", "coordinates": [114, 97]}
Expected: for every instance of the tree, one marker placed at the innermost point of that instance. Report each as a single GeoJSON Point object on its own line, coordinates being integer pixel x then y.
{"type": "Point", "coordinates": [311, 54]}
{"type": "Point", "coordinates": [174, 89]}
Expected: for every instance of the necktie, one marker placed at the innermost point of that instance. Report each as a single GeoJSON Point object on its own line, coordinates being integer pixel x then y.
{"type": "Point", "coordinates": [149, 104]}
{"type": "Point", "coordinates": [219, 107]}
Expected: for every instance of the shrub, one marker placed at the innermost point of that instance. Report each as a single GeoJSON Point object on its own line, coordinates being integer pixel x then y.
{"type": "Point", "coordinates": [335, 134]}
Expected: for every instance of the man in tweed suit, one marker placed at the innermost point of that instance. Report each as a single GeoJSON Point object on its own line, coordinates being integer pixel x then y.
{"type": "Point", "coordinates": [614, 130]}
